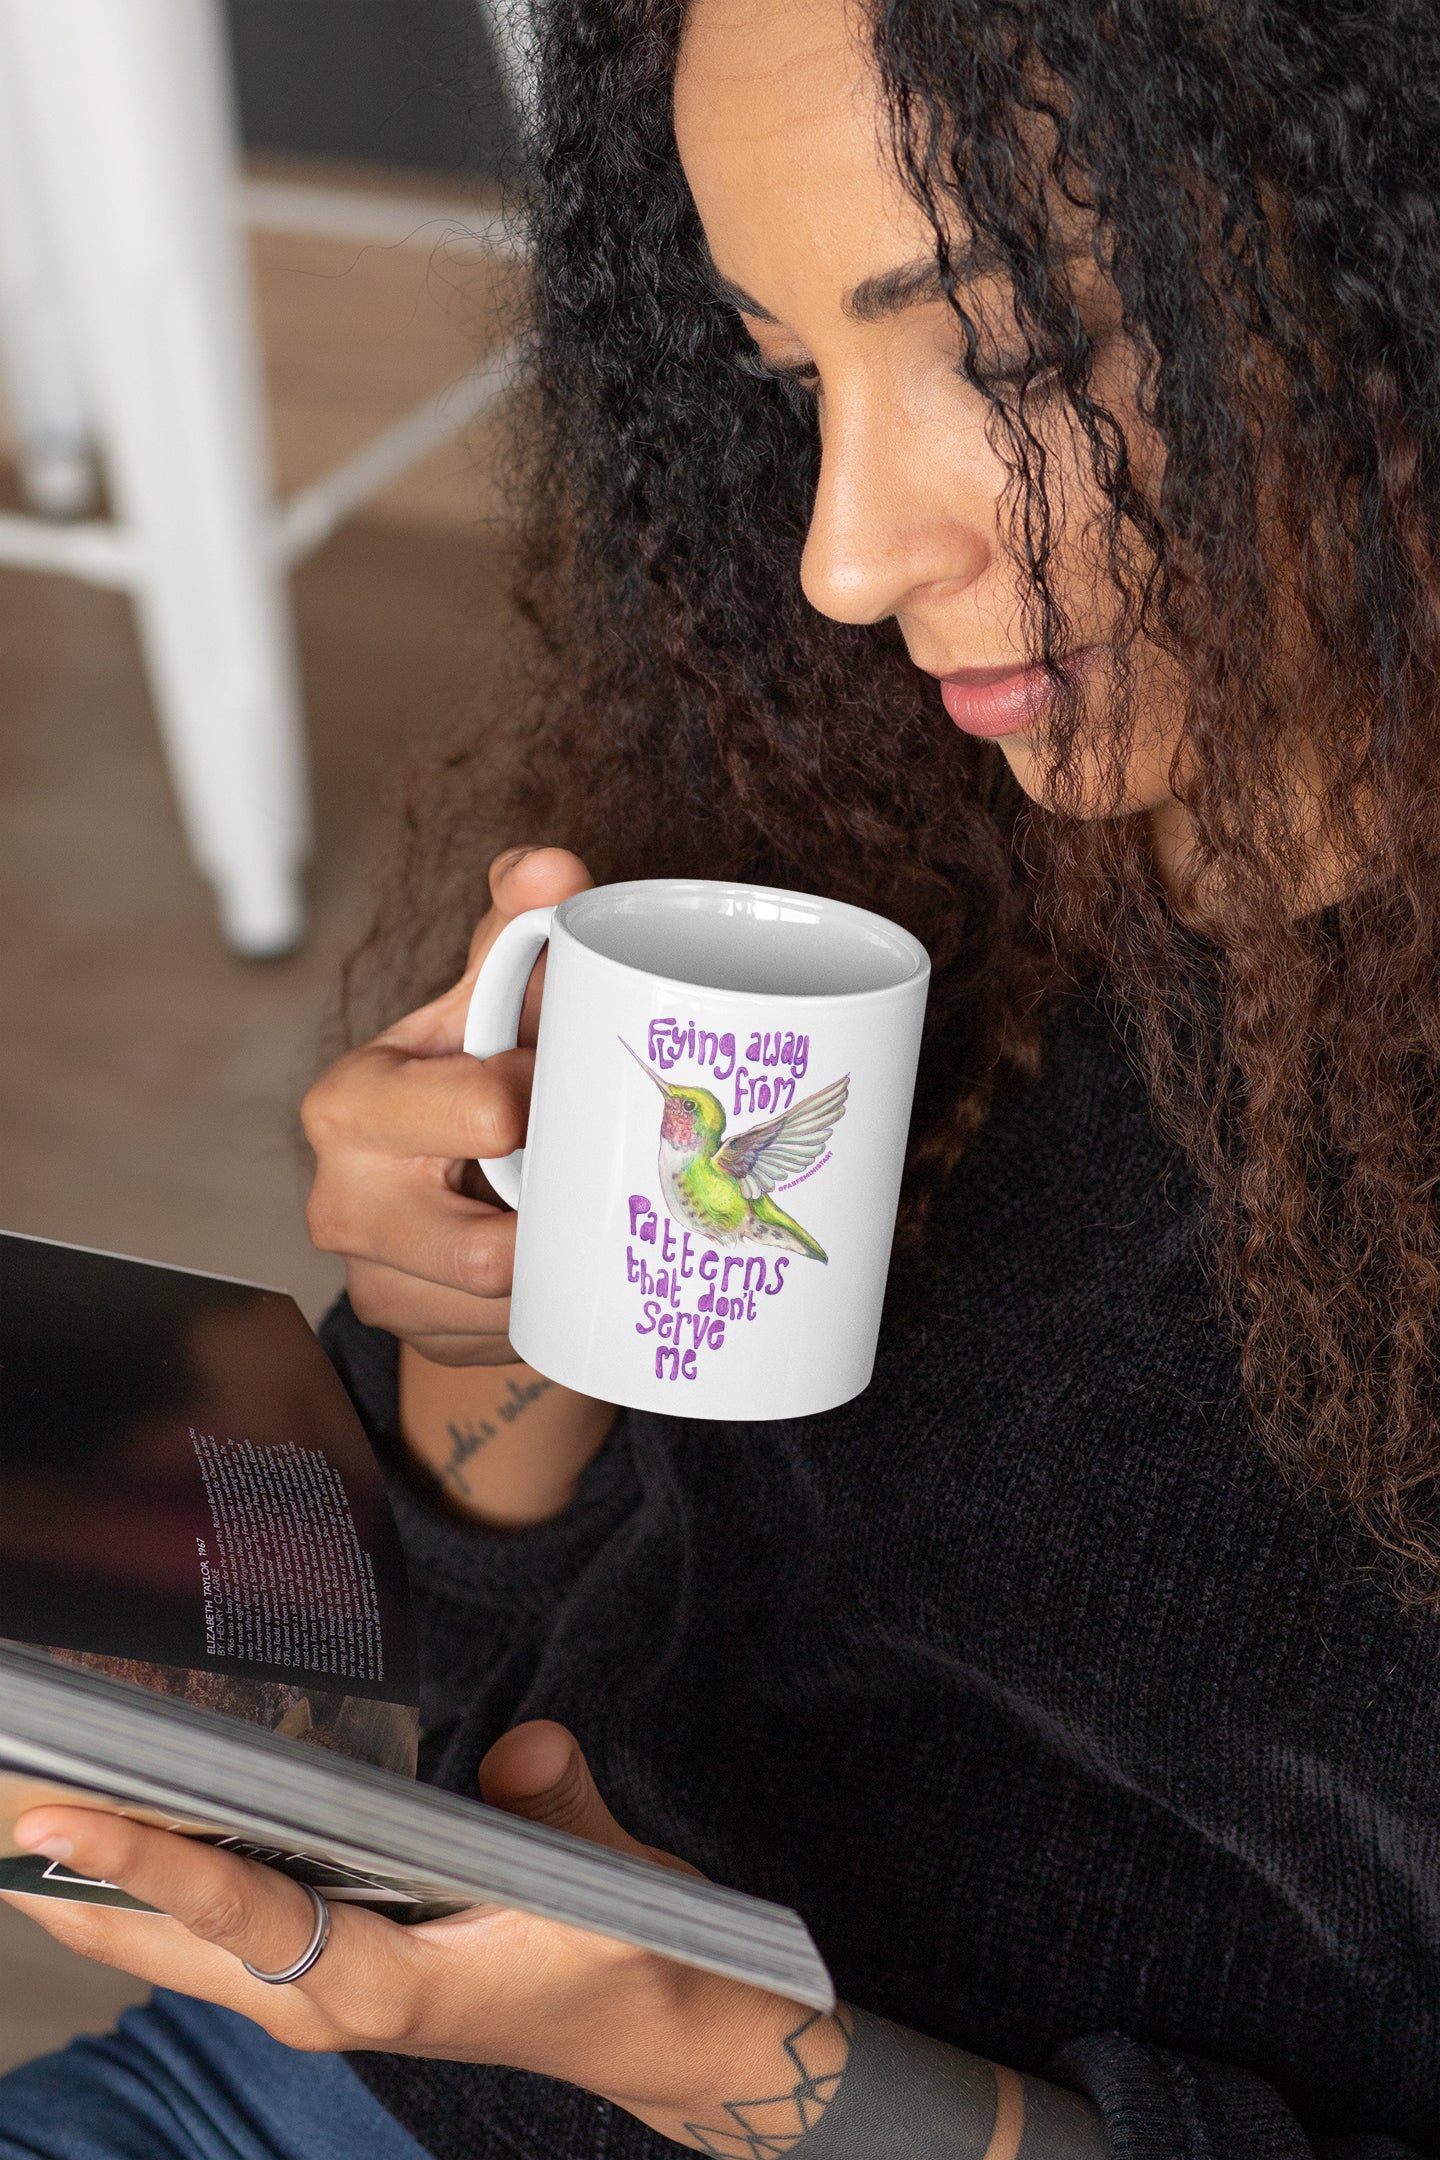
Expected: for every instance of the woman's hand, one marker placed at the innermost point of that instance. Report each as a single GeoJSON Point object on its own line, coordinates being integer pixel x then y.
{"type": "Point", "coordinates": [669, 2044]}
{"type": "Point", "coordinates": [711, 2063]}
{"type": "Point", "coordinates": [396, 1127]}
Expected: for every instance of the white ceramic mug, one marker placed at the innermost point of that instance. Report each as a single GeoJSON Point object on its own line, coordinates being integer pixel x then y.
{"type": "Point", "coordinates": [707, 1192]}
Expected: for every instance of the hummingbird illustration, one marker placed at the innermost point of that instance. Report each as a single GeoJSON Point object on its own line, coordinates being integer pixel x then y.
{"type": "Point", "coordinates": [724, 1190]}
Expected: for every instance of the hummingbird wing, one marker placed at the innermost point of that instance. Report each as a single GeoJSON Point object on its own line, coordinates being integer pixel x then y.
{"type": "Point", "coordinates": [768, 1154]}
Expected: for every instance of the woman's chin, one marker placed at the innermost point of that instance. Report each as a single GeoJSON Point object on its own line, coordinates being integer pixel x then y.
{"type": "Point", "coordinates": [1084, 790]}
{"type": "Point", "coordinates": [1076, 795]}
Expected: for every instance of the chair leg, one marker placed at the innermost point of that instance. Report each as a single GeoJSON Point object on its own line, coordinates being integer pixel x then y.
{"type": "Point", "coordinates": [36, 341]}
{"type": "Point", "coordinates": [130, 111]}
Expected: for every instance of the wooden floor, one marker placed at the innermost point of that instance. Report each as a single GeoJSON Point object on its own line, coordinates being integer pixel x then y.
{"type": "Point", "coordinates": [148, 1081]}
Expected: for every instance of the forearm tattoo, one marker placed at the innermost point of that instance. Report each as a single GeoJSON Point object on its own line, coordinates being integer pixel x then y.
{"type": "Point", "coordinates": [854, 2087]}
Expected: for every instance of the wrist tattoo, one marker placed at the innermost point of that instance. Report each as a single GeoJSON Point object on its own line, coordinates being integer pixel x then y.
{"type": "Point", "coordinates": [855, 2087]}
{"type": "Point", "coordinates": [816, 2054]}
{"type": "Point", "coordinates": [468, 1438]}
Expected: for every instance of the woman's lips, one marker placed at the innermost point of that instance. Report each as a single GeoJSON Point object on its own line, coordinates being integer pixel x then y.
{"type": "Point", "coordinates": [999, 700]}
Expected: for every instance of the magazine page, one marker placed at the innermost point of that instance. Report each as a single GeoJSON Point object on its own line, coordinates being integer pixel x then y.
{"type": "Point", "coordinates": [188, 1502]}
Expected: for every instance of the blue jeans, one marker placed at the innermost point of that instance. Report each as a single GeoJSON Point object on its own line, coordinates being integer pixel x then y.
{"type": "Point", "coordinates": [183, 2080]}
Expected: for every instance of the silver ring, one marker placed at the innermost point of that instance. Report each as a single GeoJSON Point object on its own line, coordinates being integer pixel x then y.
{"type": "Point", "coordinates": [320, 1935]}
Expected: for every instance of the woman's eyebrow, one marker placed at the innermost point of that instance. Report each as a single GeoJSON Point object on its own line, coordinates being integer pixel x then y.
{"type": "Point", "coordinates": [734, 295]}
{"type": "Point", "coordinates": [889, 292]}
{"type": "Point", "coordinates": [918, 283]}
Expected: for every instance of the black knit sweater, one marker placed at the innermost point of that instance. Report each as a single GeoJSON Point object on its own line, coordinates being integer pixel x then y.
{"type": "Point", "coordinates": [1079, 1741]}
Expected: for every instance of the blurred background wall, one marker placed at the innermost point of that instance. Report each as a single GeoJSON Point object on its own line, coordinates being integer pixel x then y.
{"type": "Point", "coordinates": [399, 82]}
{"type": "Point", "coordinates": [149, 1079]}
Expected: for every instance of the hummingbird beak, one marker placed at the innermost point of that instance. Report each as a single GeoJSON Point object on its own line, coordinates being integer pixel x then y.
{"type": "Point", "coordinates": [644, 1067]}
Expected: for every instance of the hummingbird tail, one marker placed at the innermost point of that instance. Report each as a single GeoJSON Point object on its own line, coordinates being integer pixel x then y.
{"type": "Point", "coordinates": [767, 1224]}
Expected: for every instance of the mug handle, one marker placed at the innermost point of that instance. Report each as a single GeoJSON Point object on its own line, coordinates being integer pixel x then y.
{"type": "Point", "coordinates": [492, 1023]}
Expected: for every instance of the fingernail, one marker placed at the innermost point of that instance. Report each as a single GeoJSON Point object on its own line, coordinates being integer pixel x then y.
{"type": "Point", "coordinates": [53, 1848]}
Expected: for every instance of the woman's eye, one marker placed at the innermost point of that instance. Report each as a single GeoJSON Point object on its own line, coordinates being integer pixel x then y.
{"type": "Point", "coordinates": [1011, 379]}
{"type": "Point", "coordinates": [799, 375]}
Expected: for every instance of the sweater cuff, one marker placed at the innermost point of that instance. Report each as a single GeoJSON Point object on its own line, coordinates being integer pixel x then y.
{"type": "Point", "coordinates": [1158, 2105]}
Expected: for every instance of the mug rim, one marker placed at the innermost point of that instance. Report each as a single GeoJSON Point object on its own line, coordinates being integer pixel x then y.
{"type": "Point", "coordinates": [903, 938]}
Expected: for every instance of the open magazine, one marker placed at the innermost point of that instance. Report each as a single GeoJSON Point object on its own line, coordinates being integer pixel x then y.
{"type": "Point", "coordinates": [204, 1623]}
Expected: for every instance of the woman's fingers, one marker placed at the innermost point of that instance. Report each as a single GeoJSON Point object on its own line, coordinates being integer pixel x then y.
{"type": "Point", "coordinates": [415, 1225]}
{"type": "Point", "coordinates": [393, 1124]}
{"type": "Point", "coordinates": [539, 1770]}
{"type": "Point", "coordinates": [381, 1101]}
{"type": "Point", "coordinates": [530, 877]}
{"type": "Point", "coordinates": [216, 1912]}
{"type": "Point", "coordinates": [235, 1905]}
{"type": "Point", "coordinates": [520, 879]}
{"type": "Point", "coordinates": [397, 1203]}
{"type": "Point", "coordinates": [250, 1912]}
{"type": "Point", "coordinates": [447, 1326]}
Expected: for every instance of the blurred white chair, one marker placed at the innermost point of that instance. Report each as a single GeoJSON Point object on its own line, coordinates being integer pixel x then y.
{"type": "Point", "coordinates": [126, 338]}
{"type": "Point", "coordinates": [511, 31]}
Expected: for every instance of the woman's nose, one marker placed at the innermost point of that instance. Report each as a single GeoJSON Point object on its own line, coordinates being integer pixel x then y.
{"type": "Point", "coordinates": [890, 521]}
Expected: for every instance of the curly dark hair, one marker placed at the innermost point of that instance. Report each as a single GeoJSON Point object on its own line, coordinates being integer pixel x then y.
{"type": "Point", "coordinates": [1262, 181]}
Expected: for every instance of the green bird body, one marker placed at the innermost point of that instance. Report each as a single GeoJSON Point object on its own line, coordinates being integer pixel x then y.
{"type": "Point", "coordinates": [722, 1187]}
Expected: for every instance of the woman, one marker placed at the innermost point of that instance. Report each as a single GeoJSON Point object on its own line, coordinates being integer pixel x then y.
{"type": "Point", "coordinates": [1078, 1681]}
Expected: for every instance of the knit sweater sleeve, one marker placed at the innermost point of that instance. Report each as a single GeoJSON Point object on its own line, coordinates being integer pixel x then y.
{"type": "Point", "coordinates": [1158, 2104]}
{"type": "Point", "coordinates": [483, 1600]}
